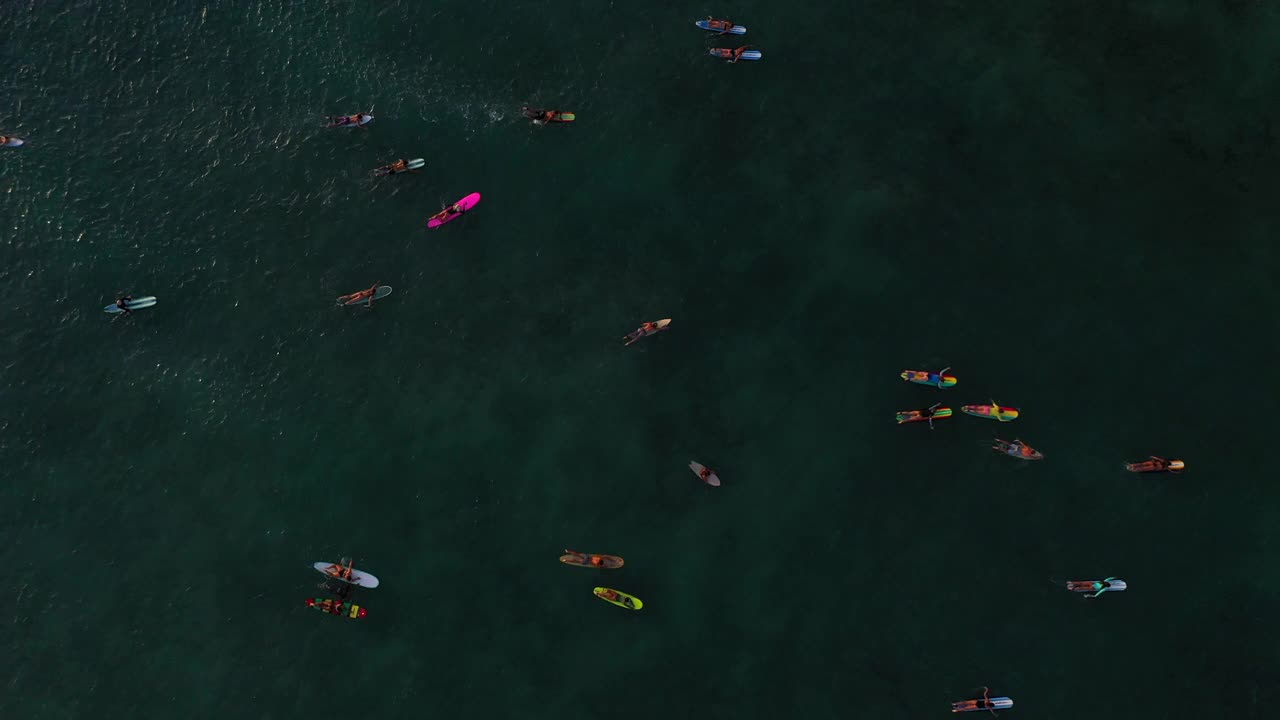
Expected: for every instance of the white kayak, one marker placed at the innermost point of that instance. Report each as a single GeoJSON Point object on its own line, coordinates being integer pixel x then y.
{"type": "Point", "coordinates": [698, 468]}
{"type": "Point", "coordinates": [135, 304]}
{"type": "Point", "coordinates": [358, 577]}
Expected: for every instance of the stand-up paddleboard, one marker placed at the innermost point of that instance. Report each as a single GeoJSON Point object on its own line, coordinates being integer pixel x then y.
{"type": "Point", "coordinates": [619, 598]}
{"type": "Point", "coordinates": [12, 142]}
{"type": "Point", "coordinates": [337, 607]}
{"type": "Point", "coordinates": [134, 304]}
{"type": "Point", "coordinates": [727, 54]}
{"type": "Point", "coordinates": [358, 577]}
{"type": "Point", "coordinates": [448, 215]}
{"type": "Point", "coordinates": [698, 469]}
{"type": "Point", "coordinates": [361, 119]}
{"type": "Point", "coordinates": [735, 30]}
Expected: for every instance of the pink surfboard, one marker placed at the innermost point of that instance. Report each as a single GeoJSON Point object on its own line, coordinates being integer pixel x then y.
{"type": "Point", "coordinates": [465, 204]}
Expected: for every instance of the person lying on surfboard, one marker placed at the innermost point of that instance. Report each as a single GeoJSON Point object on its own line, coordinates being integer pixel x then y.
{"type": "Point", "coordinates": [586, 560]}
{"type": "Point", "coordinates": [983, 703]}
{"type": "Point", "coordinates": [648, 328]}
{"type": "Point", "coordinates": [613, 596]}
{"type": "Point", "coordinates": [340, 572]}
{"type": "Point", "coordinates": [344, 120]}
{"type": "Point", "coordinates": [539, 117]}
{"type": "Point", "coordinates": [1017, 449]}
{"type": "Point", "coordinates": [1156, 464]}
{"type": "Point", "coordinates": [928, 414]}
{"type": "Point", "coordinates": [123, 304]}
{"type": "Point", "coordinates": [737, 52]}
{"type": "Point", "coordinates": [1096, 587]}
{"type": "Point", "coordinates": [355, 297]}
{"type": "Point", "coordinates": [720, 27]}
{"type": "Point", "coordinates": [396, 167]}
{"type": "Point", "coordinates": [449, 212]}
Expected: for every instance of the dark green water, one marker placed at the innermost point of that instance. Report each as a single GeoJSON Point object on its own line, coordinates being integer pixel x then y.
{"type": "Point", "coordinates": [1074, 205]}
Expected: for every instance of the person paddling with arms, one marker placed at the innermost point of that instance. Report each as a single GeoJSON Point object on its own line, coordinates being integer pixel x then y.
{"type": "Point", "coordinates": [646, 329]}
{"type": "Point", "coordinates": [449, 213]}
{"type": "Point", "coordinates": [719, 27]}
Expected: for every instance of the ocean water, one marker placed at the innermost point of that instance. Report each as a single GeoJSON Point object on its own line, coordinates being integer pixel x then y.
{"type": "Point", "coordinates": [1072, 205]}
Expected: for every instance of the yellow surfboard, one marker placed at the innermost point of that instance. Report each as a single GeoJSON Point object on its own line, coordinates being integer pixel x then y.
{"type": "Point", "coordinates": [618, 598]}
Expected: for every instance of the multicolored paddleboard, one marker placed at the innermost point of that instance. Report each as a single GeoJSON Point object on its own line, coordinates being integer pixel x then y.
{"type": "Point", "coordinates": [924, 377]}
{"type": "Point", "coordinates": [563, 117]}
{"type": "Point", "coordinates": [577, 559]}
{"type": "Point", "coordinates": [910, 416]}
{"type": "Point", "coordinates": [619, 598]}
{"type": "Point", "coordinates": [448, 214]}
{"type": "Point", "coordinates": [991, 412]}
{"type": "Point", "coordinates": [337, 607]}
{"type": "Point", "coordinates": [699, 469]}
{"type": "Point", "coordinates": [734, 30]}
{"type": "Point", "coordinates": [727, 54]}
